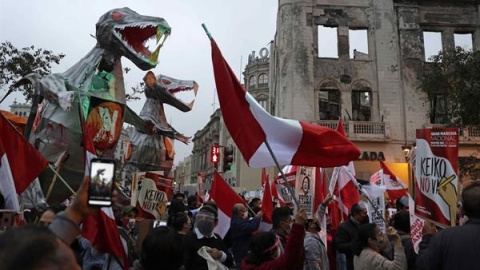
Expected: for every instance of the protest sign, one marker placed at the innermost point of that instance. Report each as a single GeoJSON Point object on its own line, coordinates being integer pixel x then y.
{"type": "Point", "coordinates": [305, 189]}
{"type": "Point", "coordinates": [152, 193]}
{"type": "Point", "coordinates": [376, 205]}
{"type": "Point", "coordinates": [436, 179]}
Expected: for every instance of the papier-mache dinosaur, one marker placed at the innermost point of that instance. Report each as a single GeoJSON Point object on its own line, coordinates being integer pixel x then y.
{"type": "Point", "coordinates": [94, 88]}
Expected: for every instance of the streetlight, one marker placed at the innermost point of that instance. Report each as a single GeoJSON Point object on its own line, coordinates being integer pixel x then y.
{"type": "Point", "coordinates": [406, 151]}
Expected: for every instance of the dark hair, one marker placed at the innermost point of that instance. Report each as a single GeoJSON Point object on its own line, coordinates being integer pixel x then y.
{"type": "Point", "coordinates": [178, 220]}
{"type": "Point", "coordinates": [178, 195]}
{"type": "Point", "coordinates": [30, 247]}
{"type": "Point", "coordinates": [401, 221]}
{"type": "Point", "coordinates": [471, 200]}
{"type": "Point", "coordinates": [260, 242]}
{"type": "Point", "coordinates": [365, 232]}
{"type": "Point", "coordinates": [356, 208]}
{"type": "Point", "coordinates": [209, 207]}
{"type": "Point", "coordinates": [253, 201]}
{"type": "Point", "coordinates": [162, 245]}
{"type": "Point", "coordinates": [280, 214]}
{"type": "Point", "coordinates": [192, 200]}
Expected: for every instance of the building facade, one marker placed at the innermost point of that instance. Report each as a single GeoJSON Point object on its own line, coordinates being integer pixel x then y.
{"type": "Point", "coordinates": [372, 78]}
{"type": "Point", "coordinates": [183, 173]}
{"type": "Point", "coordinates": [20, 109]}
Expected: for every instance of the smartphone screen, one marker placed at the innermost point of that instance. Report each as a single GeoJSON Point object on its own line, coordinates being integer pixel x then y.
{"type": "Point", "coordinates": [102, 172]}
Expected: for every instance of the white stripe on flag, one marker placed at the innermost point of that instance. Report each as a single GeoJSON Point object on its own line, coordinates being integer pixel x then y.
{"type": "Point", "coordinates": [7, 186]}
{"type": "Point", "coordinates": [223, 224]}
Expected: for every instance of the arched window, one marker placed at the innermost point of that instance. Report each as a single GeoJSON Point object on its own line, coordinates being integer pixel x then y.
{"type": "Point", "coordinates": [252, 81]}
{"type": "Point", "coordinates": [329, 102]}
{"type": "Point", "coordinates": [263, 80]}
{"type": "Point", "coordinates": [361, 102]}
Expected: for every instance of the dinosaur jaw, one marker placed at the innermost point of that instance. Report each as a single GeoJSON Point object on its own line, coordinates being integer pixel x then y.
{"type": "Point", "coordinates": [184, 92]}
{"type": "Point", "coordinates": [135, 36]}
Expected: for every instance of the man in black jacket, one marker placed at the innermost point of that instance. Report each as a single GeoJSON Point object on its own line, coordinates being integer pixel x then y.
{"type": "Point", "coordinates": [347, 232]}
{"type": "Point", "coordinates": [202, 235]}
{"type": "Point", "coordinates": [457, 247]}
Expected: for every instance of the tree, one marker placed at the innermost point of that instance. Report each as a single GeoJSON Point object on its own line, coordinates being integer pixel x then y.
{"type": "Point", "coordinates": [17, 63]}
{"type": "Point", "coordinates": [452, 84]}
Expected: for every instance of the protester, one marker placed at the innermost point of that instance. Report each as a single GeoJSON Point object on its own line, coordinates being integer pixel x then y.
{"type": "Point", "coordinates": [182, 224]}
{"type": "Point", "coordinates": [457, 247]}
{"type": "Point", "coordinates": [241, 229]}
{"type": "Point", "coordinates": [402, 204]}
{"type": "Point", "coordinates": [176, 206]}
{"type": "Point", "coordinates": [347, 232]}
{"type": "Point", "coordinates": [127, 232]}
{"type": "Point", "coordinates": [264, 250]}
{"type": "Point", "coordinates": [202, 235]}
{"type": "Point", "coordinates": [192, 202]}
{"type": "Point", "coordinates": [369, 244]}
{"type": "Point", "coordinates": [282, 224]}
{"type": "Point", "coordinates": [255, 204]}
{"type": "Point", "coordinates": [401, 223]}
{"type": "Point", "coordinates": [160, 250]}
{"type": "Point", "coordinates": [316, 257]}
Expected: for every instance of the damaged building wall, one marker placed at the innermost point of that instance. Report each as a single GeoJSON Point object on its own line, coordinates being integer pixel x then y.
{"type": "Point", "coordinates": [390, 70]}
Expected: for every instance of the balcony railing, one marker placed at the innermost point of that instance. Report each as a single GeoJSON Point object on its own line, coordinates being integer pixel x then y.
{"type": "Point", "coordinates": [361, 130]}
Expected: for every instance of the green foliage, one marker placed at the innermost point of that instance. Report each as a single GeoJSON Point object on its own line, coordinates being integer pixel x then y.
{"type": "Point", "coordinates": [452, 83]}
{"type": "Point", "coordinates": [17, 63]}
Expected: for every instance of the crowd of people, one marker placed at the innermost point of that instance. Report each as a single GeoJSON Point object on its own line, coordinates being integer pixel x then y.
{"type": "Point", "coordinates": [188, 241]}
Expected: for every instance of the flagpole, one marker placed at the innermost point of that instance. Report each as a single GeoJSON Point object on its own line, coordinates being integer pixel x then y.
{"type": "Point", "coordinates": [287, 184]}
{"type": "Point", "coordinates": [61, 178]}
{"type": "Point", "coordinates": [54, 180]}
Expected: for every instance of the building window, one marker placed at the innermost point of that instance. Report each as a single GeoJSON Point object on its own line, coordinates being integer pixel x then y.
{"type": "Point", "coordinates": [464, 41]}
{"type": "Point", "coordinates": [358, 40]}
{"type": "Point", "coordinates": [432, 44]}
{"type": "Point", "coordinates": [329, 104]}
{"type": "Point", "coordinates": [361, 105]}
{"type": "Point", "coordinates": [252, 81]}
{"type": "Point", "coordinates": [263, 80]}
{"type": "Point", "coordinates": [327, 42]}
{"type": "Point", "coordinates": [439, 109]}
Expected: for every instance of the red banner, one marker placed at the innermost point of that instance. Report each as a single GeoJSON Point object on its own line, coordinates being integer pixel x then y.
{"type": "Point", "coordinates": [436, 175]}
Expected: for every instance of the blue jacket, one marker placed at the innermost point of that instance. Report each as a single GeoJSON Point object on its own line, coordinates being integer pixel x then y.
{"type": "Point", "coordinates": [241, 234]}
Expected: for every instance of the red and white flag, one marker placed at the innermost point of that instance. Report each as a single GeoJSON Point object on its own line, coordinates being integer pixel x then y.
{"type": "Point", "coordinates": [395, 186]}
{"type": "Point", "coordinates": [20, 164]}
{"type": "Point", "coordinates": [264, 177]}
{"type": "Point", "coordinates": [267, 207]}
{"type": "Point", "coordinates": [100, 228]}
{"type": "Point", "coordinates": [278, 187]}
{"type": "Point", "coordinates": [293, 142]}
{"type": "Point", "coordinates": [343, 187]}
{"type": "Point", "coordinates": [225, 198]}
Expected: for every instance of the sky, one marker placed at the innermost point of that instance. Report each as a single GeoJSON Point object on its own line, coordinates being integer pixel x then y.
{"type": "Point", "coordinates": [239, 27]}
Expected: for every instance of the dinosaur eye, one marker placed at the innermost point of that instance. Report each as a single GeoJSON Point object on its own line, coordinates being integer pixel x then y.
{"type": "Point", "coordinates": [166, 82]}
{"type": "Point", "coordinates": [117, 16]}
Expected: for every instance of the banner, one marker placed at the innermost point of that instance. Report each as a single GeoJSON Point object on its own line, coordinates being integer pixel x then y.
{"type": "Point", "coordinates": [305, 189]}
{"type": "Point", "coordinates": [153, 191]}
{"type": "Point", "coordinates": [436, 179]}
{"type": "Point", "coordinates": [376, 206]}
{"type": "Point", "coordinates": [279, 188]}
{"type": "Point", "coordinates": [200, 187]}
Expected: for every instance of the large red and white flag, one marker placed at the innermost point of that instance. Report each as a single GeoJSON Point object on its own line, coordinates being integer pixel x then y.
{"type": "Point", "coordinates": [225, 198]}
{"type": "Point", "coordinates": [100, 228]}
{"type": "Point", "coordinates": [395, 186]}
{"type": "Point", "coordinates": [20, 164]}
{"type": "Point", "coordinates": [293, 142]}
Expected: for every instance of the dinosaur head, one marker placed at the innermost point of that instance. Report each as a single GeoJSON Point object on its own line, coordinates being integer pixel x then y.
{"type": "Point", "coordinates": [123, 32]}
{"type": "Point", "coordinates": [167, 90]}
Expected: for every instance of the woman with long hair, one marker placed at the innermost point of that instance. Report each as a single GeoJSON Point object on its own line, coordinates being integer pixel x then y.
{"type": "Point", "coordinates": [264, 253]}
{"type": "Point", "coordinates": [370, 242]}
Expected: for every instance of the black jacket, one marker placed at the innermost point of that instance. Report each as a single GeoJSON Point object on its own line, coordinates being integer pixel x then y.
{"type": "Point", "coordinates": [192, 244]}
{"type": "Point", "coordinates": [343, 240]}
{"type": "Point", "coordinates": [454, 248]}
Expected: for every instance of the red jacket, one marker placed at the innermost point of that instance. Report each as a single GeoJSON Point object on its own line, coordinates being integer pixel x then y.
{"type": "Point", "coordinates": [293, 257]}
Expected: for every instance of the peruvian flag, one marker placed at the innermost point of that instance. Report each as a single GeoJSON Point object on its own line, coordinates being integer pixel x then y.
{"type": "Point", "coordinates": [267, 207]}
{"type": "Point", "coordinates": [264, 177]}
{"type": "Point", "coordinates": [100, 228]}
{"type": "Point", "coordinates": [225, 197]}
{"type": "Point", "coordinates": [27, 163]}
{"type": "Point", "coordinates": [293, 142]}
{"type": "Point", "coordinates": [395, 187]}
{"type": "Point", "coordinates": [343, 187]}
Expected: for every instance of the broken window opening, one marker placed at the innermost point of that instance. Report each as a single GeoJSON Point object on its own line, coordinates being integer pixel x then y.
{"type": "Point", "coordinates": [361, 105]}
{"type": "Point", "coordinates": [327, 41]}
{"type": "Point", "coordinates": [463, 40]}
{"type": "Point", "coordinates": [358, 40]}
{"type": "Point", "coordinates": [329, 104]}
{"type": "Point", "coordinates": [432, 44]}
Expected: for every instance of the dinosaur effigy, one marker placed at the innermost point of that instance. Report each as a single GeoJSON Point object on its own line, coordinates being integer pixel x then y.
{"type": "Point", "coordinates": [153, 151]}
{"type": "Point", "coordinates": [93, 88]}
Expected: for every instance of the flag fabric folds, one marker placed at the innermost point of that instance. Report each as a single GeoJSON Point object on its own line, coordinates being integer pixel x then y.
{"type": "Point", "coordinates": [100, 228]}
{"type": "Point", "coordinates": [395, 187]}
{"type": "Point", "coordinates": [20, 164]}
{"type": "Point", "coordinates": [267, 207]}
{"type": "Point", "coordinates": [225, 198]}
{"type": "Point", "coordinates": [293, 142]}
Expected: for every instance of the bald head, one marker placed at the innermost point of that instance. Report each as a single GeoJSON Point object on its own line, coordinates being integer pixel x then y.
{"type": "Point", "coordinates": [471, 200]}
